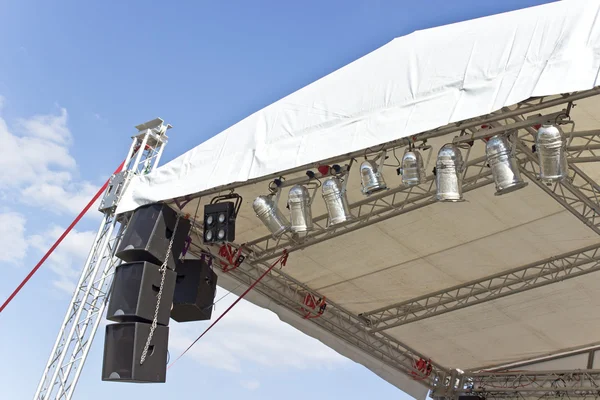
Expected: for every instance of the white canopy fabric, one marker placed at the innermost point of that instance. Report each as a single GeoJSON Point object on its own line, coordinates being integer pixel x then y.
{"type": "Point", "coordinates": [414, 83]}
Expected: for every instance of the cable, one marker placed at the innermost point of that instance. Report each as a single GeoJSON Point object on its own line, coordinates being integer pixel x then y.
{"type": "Point", "coordinates": [282, 260]}
{"type": "Point", "coordinates": [60, 239]}
{"type": "Point", "coordinates": [222, 297]}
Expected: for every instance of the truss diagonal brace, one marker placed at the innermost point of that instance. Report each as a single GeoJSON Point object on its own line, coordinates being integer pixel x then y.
{"type": "Point", "coordinates": [289, 293]}
{"type": "Point", "coordinates": [531, 276]}
{"type": "Point", "coordinates": [525, 384]}
{"type": "Point", "coordinates": [579, 194]}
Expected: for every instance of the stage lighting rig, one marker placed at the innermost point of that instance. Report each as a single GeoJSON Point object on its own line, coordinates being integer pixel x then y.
{"type": "Point", "coordinates": [219, 218]}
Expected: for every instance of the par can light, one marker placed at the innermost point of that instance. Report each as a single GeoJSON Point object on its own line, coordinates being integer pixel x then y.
{"type": "Point", "coordinates": [299, 200]}
{"type": "Point", "coordinates": [371, 178]}
{"type": "Point", "coordinates": [448, 177]}
{"type": "Point", "coordinates": [336, 201]}
{"type": "Point", "coordinates": [504, 166]}
{"type": "Point", "coordinates": [551, 149]}
{"type": "Point", "coordinates": [412, 169]}
{"type": "Point", "coordinates": [267, 211]}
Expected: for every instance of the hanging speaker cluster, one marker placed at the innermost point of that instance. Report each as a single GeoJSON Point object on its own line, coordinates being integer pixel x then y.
{"type": "Point", "coordinates": [134, 295]}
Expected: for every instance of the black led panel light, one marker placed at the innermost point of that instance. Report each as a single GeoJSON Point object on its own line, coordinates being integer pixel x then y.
{"type": "Point", "coordinates": [219, 222]}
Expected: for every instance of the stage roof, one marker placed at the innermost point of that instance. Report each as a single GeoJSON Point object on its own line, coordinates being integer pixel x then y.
{"type": "Point", "coordinates": [378, 272]}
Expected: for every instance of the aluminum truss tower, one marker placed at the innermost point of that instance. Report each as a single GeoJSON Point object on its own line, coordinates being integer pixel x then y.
{"type": "Point", "coordinates": [86, 309]}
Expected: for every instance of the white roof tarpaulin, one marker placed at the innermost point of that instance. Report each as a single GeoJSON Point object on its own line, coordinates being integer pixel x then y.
{"type": "Point", "coordinates": [418, 82]}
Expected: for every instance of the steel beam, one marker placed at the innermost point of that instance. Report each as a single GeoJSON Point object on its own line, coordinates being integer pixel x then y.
{"type": "Point", "coordinates": [583, 146]}
{"type": "Point", "coordinates": [531, 276]}
{"type": "Point", "coordinates": [531, 362]}
{"type": "Point", "coordinates": [579, 194]}
{"type": "Point", "coordinates": [525, 384]}
{"type": "Point", "coordinates": [290, 293]}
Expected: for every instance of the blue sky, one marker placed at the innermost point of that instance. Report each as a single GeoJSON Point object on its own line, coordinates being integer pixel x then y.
{"type": "Point", "coordinates": [75, 77]}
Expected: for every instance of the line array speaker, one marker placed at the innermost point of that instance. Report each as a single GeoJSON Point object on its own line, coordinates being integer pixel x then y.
{"type": "Point", "coordinates": [194, 291]}
{"type": "Point", "coordinates": [123, 346]}
{"type": "Point", "coordinates": [148, 235]}
{"type": "Point", "coordinates": [134, 293]}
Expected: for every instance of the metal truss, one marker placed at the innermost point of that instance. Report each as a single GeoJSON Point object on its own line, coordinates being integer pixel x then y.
{"type": "Point", "coordinates": [531, 276]}
{"type": "Point", "coordinates": [291, 294]}
{"type": "Point", "coordinates": [533, 362]}
{"type": "Point", "coordinates": [579, 193]}
{"type": "Point", "coordinates": [587, 149]}
{"type": "Point", "coordinates": [523, 384]}
{"type": "Point", "coordinates": [87, 306]}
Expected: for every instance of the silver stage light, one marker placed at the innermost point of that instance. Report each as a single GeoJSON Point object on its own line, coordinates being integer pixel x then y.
{"type": "Point", "coordinates": [503, 163]}
{"type": "Point", "coordinates": [448, 176]}
{"type": "Point", "coordinates": [336, 201]}
{"type": "Point", "coordinates": [371, 178]}
{"type": "Point", "coordinates": [551, 149]}
{"type": "Point", "coordinates": [267, 211]}
{"type": "Point", "coordinates": [299, 200]}
{"type": "Point", "coordinates": [412, 169]}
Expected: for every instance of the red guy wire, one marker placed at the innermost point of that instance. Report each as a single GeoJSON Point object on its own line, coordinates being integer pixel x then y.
{"type": "Point", "coordinates": [282, 260]}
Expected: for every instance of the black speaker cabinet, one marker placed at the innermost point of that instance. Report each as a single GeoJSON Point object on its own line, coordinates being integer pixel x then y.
{"type": "Point", "coordinates": [123, 346]}
{"type": "Point", "coordinates": [134, 293]}
{"type": "Point", "coordinates": [194, 291]}
{"type": "Point", "coordinates": [148, 235]}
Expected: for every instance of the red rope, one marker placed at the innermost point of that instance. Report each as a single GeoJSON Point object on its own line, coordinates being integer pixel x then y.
{"type": "Point", "coordinates": [282, 260]}
{"type": "Point", "coordinates": [58, 241]}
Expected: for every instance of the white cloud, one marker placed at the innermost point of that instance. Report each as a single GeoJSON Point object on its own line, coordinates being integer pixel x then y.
{"type": "Point", "coordinates": [250, 384]}
{"type": "Point", "coordinates": [48, 127]}
{"type": "Point", "coordinates": [250, 334]}
{"type": "Point", "coordinates": [38, 168]}
{"type": "Point", "coordinates": [73, 196]}
{"type": "Point", "coordinates": [68, 258]}
{"type": "Point", "coordinates": [13, 244]}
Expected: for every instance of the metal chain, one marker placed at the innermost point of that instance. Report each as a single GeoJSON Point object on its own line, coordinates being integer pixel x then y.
{"type": "Point", "coordinates": [163, 270]}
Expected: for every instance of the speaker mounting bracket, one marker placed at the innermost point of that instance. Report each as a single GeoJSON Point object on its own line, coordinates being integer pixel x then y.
{"type": "Point", "coordinates": [116, 186]}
